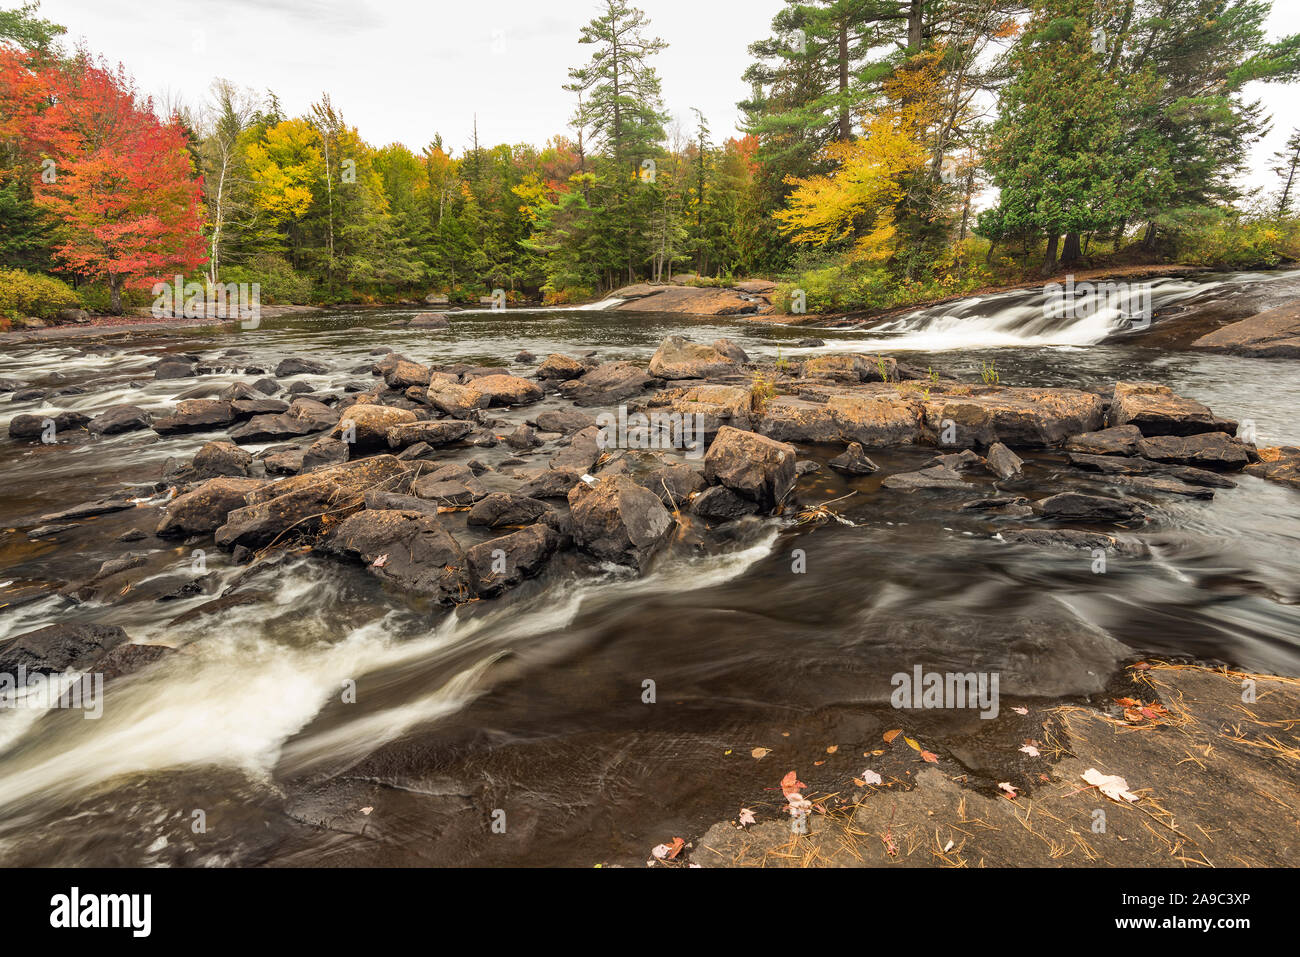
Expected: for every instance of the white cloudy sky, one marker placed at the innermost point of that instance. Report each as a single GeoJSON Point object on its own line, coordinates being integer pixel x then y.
{"type": "Point", "coordinates": [402, 70]}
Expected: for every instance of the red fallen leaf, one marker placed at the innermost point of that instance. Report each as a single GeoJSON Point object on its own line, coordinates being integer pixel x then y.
{"type": "Point", "coordinates": [932, 758]}
{"type": "Point", "coordinates": [1127, 702]}
{"type": "Point", "coordinates": [791, 783]}
{"type": "Point", "coordinates": [891, 735]}
{"type": "Point", "coordinates": [1152, 713]}
{"type": "Point", "coordinates": [675, 848]}
{"type": "Point", "coordinates": [1142, 666]}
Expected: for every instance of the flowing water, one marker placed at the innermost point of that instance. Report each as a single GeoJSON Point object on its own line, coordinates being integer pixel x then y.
{"type": "Point", "coordinates": [246, 746]}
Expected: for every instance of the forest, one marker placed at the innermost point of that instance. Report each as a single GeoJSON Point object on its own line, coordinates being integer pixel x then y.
{"type": "Point", "coordinates": [891, 152]}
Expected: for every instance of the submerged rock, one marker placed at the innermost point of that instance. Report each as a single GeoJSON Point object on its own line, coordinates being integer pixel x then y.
{"type": "Point", "coordinates": [59, 647]}
{"type": "Point", "coordinates": [1077, 507]}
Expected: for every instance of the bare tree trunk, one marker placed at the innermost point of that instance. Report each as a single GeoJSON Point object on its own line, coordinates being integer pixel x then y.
{"type": "Point", "coordinates": [1049, 261]}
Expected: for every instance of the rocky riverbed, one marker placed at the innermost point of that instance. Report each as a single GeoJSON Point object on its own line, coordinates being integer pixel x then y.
{"type": "Point", "coordinates": [499, 551]}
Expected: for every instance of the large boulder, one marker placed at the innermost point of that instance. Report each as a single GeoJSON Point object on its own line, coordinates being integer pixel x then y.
{"type": "Point", "coordinates": [851, 368]}
{"type": "Point", "coordinates": [716, 406]}
{"type": "Point", "coordinates": [119, 419]}
{"type": "Point", "coordinates": [1120, 440]}
{"type": "Point", "coordinates": [1273, 334]}
{"type": "Point", "coordinates": [196, 415]}
{"type": "Point", "coordinates": [754, 466]}
{"type": "Point", "coordinates": [503, 563]}
{"type": "Point", "coordinates": [876, 420]}
{"type": "Point", "coordinates": [581, 453]}
{"type": "Point", "coordinates": [560, 368]}
{"type": "Point", "coordinates": [507, 389]}
{"type": "Point", "coordinates": [1015, 417]}
{"type": "Point", "coordinates": [405, 374]}
{"type": "Point", "coordinates": [455, 400]}
{"type": "Point", "coordinates": [678, 358]}
{"type": "Point", "coordinates": [1157, 410]}
{"type": "Point", "coordinates": [217, 459]}
{"type": "Point", "coordinates": [504, 509]}
{"type": "Point", "coordinates": [305, 417]}
{"type": "Point", "coordinates": [564, 421]}
{"type": "Point", "coordinates": [1206, 450]}
{"type": "Point", "coordinates": [297, 365]}
{"type": "Point", "coordinates": [619, 521]}
{"type": "Point", "coordinates": [607, 384]}
{"type": "Point", "coordinates": [205, 509]}
{"type": "Point", "coordinates": [58, 648]}
{"type": "Point", "coordinates": [437, 432]}
{"type": "Point", "coordinates": [366, 427]}
{"type": "Point", "coordinates": [408, 549]}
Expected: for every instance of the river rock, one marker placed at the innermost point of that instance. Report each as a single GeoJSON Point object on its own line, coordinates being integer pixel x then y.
{"type": "Point", "coordinates": [305, 417]}
{"type": "Point", "coordinates": [678, 358]}
{"type": "Point", "coordinates": [674, 484]}
{"type": "Point", "coordinates": [580, 454]}
{"type": "Point", "coordinates": [502, 509]}
{"type": "Point", "coordinates": [325, 452]}
{"type": "Point", "coordinates": [507, 389]}
{"type": "Point", "coordinates": [429, 320]}
{"type": "Point", "coordinates": [1003, 463]}
{"type": "Point", "coordinates": [217, 459]}
{"type": "Point", "coordinates": [619, 521]}
{"type": "Point", "coordinates": [451, 485]}
{"type": "Point", "coordinates": [58, 648]}
{"type": "Point", "coordinates": [1015, 417]}
{"type": "Point", "coordinates": [607, 384]}
{"type": "Point", "coordinates": [1156, 410]}
{"type": "Point", "coordinates": [720, 503]}
{"type": "Point", "coordinates": [433, 433]}
{"type": "Point", "coordinates": [205, 509]}
{"type": "Point", "coordinates": [854, 461]}
{"type": "Point", "coordinates": [1210, 450]}
{"type": "Point", "coordinates": [752, 465]}
{"type": "Point", "coordinates": [1120, 440]}
{"type": "Point", "coordinates": [1077, 507]}
{"type": "Point", "coordinates": [1123, 465]}
{"type": "Point", "coordinates": [560, 368]}
{"type": "Point", "coordinates": [564, 421]}
{"type": "Point", "coordinates": [1073, 538]}
{"type": "Point", "coordinates": [553, 483]}
{"type": "Point", "coordinates": [297, 365]}
{"type": "Point", "coordinates": [850, 368]}
{"type": "Point", "coordinates": [730, 350]}
{"type": "Point", "coordinates": [366, 427]}
{"type": "Point", "coordinates": [119, 419]}
{"type": "Point", "coordinates": [502, 563]}
{"type": "Point", "coordinates": [1274, 334]}
{"type": "Point", "coordinates": [455, 400]}
{"type": "Point", "coordinates": [196, 415]}
{"type": "Point", "coordinates": [1278, 464]}
{"type": "Point", "coordinates": [410, 550]}
{"type": "Point", "coordinates": [29, 426]}
{"type": "Point", "coordinates": [1155, 483]}
{"type": "Point", "coordinates": [404, 375]}
{"type": "Point", "coordinates": [934, 477]}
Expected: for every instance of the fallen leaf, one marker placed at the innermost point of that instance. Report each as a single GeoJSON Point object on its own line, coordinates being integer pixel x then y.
{"type": "Point", "coordinates": [1009, 788]}
{"type": "Point", "coordinates": [818, 764]}
{"type": "Point", "coordinates": [760, 753]}
{"type": "Point", "coordinates": [1127, 702]}
{"type": "Point", "coordinates": [947, 847]}
{"type": "Point", "coordinates": [832, 749]}
{"type": "Point", "coordinates": [1111, 785]}
{"type": "Point", "coordinates": [1030, 750]}
{"type": "Point", "coordinates": [911, 743]}
{"type": "Point", "coordinates": [871, 777]}
{"type": "Point", "coordinates": [366, 810]}
{"type": "Point", "coordinates": [676, 848]}
{"type": "Point", "coordinates": [891, 735]}
{"type": "Point", "coordinates": [790, 784]}
{"type": "Point", "coordinates": [1020, 710]}
{"type": "Point", "coordinates": [747, 817]}
{"type": "Point", "coordinates": [931, 757]}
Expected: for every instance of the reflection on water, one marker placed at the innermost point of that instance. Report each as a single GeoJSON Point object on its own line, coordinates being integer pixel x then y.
{"type": "Point", "coordinates": [536, 703]}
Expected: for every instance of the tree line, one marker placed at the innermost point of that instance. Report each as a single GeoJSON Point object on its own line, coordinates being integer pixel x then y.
{"type": "Point", "coordinates": [889, 150]}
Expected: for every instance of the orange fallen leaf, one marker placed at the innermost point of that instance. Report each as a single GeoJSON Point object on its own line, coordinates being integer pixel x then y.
{"type": "Point", "coordinates": [791, 783]}
{"type": "Point", "coordinates": [891, 735]}
{"type": "Point", "coordinates": [932, 758]}
{"type": "Point", "coordinates": [832, 749]}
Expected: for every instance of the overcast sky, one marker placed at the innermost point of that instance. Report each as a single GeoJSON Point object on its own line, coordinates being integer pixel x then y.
{"type": "Point", "coordinates": [402, 71]}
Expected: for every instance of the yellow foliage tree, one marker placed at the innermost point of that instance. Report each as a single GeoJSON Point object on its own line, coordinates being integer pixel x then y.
{"type": "Point", "coordinates": [283, 167]}
{"type": "Point", "coordinates": [861, 197]}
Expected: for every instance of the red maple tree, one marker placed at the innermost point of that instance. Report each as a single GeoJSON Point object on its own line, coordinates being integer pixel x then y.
{"type": "Point", "coordinates": [122, 186]}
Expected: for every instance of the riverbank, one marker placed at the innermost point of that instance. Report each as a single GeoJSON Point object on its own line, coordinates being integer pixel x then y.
{"type": "Point", "coordinates": [1209, 761]}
